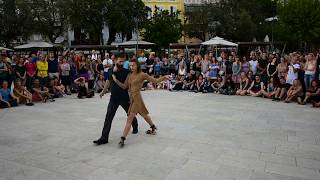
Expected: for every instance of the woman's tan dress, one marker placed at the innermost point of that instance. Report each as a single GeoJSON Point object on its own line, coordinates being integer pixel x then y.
{"type": "Point", "coordinates": [134, 84]}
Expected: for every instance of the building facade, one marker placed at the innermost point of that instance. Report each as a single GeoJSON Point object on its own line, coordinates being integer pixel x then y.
{"type": "Point", "coordinates": [199, 2]}
{"type": "Point", "coordinates": [170, 5]}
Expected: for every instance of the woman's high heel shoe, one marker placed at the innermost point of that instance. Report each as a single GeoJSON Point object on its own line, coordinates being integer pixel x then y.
{"type": "Point", "coordinates": [152, 131]}
{"type": "Point", "coordinates": [121, 143]}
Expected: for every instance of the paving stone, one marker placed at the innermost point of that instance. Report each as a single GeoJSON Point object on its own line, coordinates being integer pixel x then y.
{"type": "Point", "coordinates": [308, 163]}
{"type": "Point", "coordinates": [201, 136]}
{"type": "Point", "coordinates": [293, 171]}
{"type": "Point", "coordinates": [235, 173]}
{"type": "Point", "coordinates": [270, 176]}
{"type": "Point", "coordinates": [278, 159]}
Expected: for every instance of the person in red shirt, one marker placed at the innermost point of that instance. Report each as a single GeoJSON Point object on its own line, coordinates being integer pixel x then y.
{"type": "Point", "coordinates": [31, 72]}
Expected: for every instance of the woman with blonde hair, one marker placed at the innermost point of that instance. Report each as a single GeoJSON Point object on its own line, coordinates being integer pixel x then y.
{"type": "Point", "coordinates": [295, 91]}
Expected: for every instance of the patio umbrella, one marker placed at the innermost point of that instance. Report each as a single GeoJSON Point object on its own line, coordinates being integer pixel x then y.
{"type": "Point", "coordinates": [5, 49]}
{"type": "Point", "coordinates": [219, 42]}
{"type": "Point", "coordinates": [36, 44]}
{"type": "Point", "coordinates": [135, 43]}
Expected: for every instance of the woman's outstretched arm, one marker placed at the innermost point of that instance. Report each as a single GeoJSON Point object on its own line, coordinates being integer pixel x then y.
{"type": "Point", "coordinates": [155, 80]}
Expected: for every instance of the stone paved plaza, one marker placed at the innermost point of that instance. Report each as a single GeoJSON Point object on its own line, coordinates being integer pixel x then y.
{"type": "Point", "coordinates": [201, 136]}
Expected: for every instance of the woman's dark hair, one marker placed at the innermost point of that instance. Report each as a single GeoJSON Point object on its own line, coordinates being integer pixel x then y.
{"type": "Point", "coordinates": [17, 80]}
{"type": "Point", "coordinates": [137, 63]}
{"type": "Point", "coordinates": [316, 82]}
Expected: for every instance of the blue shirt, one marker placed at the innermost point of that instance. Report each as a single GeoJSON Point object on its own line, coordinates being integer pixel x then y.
{"type": "Point", "coordinates": [126, 64]}
{"type": "Point", "coordinates": [157, 68]}
{"type": "Point", "coordinates": [5, 95]}
{"type": "Point", "coordinates": [35, 59]}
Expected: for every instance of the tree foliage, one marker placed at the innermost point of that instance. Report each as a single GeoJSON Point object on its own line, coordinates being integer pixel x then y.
{"type": "Point", "coordinates": [238, 20]}
{"type": "Point", "coordinates": [300, 19]}
{"type": "Point", "coordinates": [86, 17]}
{"type": "Point", "coordinates": [122, 16]}
{"type": "Point", "coordinates": [15, 20]}
{"type": "Point", "coordinates": [163, 28]}
{"type": "Point", "coordinates": [49, 17]}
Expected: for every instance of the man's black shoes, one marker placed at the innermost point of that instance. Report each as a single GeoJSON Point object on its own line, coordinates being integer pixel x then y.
{"type": "Point", "coordinates": [100, 142]}
{"type": "Point", "coordinates": [135, 131]}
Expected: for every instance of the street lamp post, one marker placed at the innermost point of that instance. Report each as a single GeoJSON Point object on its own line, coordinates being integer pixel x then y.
{"type": "Point", "coordinates": [137, 33]}
{"type": "Point", "coordinates": [273, 19]}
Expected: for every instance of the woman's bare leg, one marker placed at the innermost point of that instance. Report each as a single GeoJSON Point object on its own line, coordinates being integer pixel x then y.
{"type": "Point", "coordinates": [128, 124]}
{"type": "Point", "coordinates": [277, 93]}
{"type": "Point", "coordinates": [153, 128]}
{"type": "Point", "coordinates": [306, 98]}
{"type": "Point", "coordinates": [282, 93]}
{"type": "Point", "coordinates": [289, 98]}
{"type": "Point", "coordinates": [147, 118]}
{"type": "Point", "coordinates": [243, 93]}
{"type": "Point", "coordinates": [252, 93]}
{"type": "Point", "coordinates": [265, 93]}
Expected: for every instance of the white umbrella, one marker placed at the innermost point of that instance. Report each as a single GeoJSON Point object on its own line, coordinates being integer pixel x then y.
{"type": "Point", "coordinates": [5, 49]}
{"type": "Point", "coordinates": [37, 44]}
{"type": "Point", "coordinates": [218, 41]}
{"type": "Point", "coordinates": [135, 42]}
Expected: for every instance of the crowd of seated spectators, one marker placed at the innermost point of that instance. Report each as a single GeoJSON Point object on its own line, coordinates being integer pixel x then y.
{"type": "Point", "coordinates": [40, 77]}
{"type": "Point", "coordinates": [289, 78]}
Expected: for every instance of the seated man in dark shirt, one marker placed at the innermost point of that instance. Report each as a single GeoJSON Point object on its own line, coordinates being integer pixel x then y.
{"type": "Point", "coordinates": [189, 81]}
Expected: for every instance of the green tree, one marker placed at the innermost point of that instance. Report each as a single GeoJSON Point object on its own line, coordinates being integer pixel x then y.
{"type": "Point", "coordinates": [238, 20]}
{"type": "Point", "coordinates": [301, 19]}
{"type": "Point", "coordinates": [122, 16]}
{"type": "Point", "coordinates": [87, 17]}
{"type": "Point", "coordinates": [197, 21]}
{"type": "Point", "coordinates": [15, 20]}
{"type": "Point", "coordinates": [245, 27]}
{"type": "Point", "coordinates": [50, 17]}
{"type": "Point", "coordinates": [163, 28]}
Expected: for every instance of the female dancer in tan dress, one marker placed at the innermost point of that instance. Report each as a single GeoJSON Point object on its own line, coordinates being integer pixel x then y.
{"type": "Point", "coordinates": [134, 83]}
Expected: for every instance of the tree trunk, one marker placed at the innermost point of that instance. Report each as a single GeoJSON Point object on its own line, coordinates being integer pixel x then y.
{"type": "Point", "coordinates": [112, 35]}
